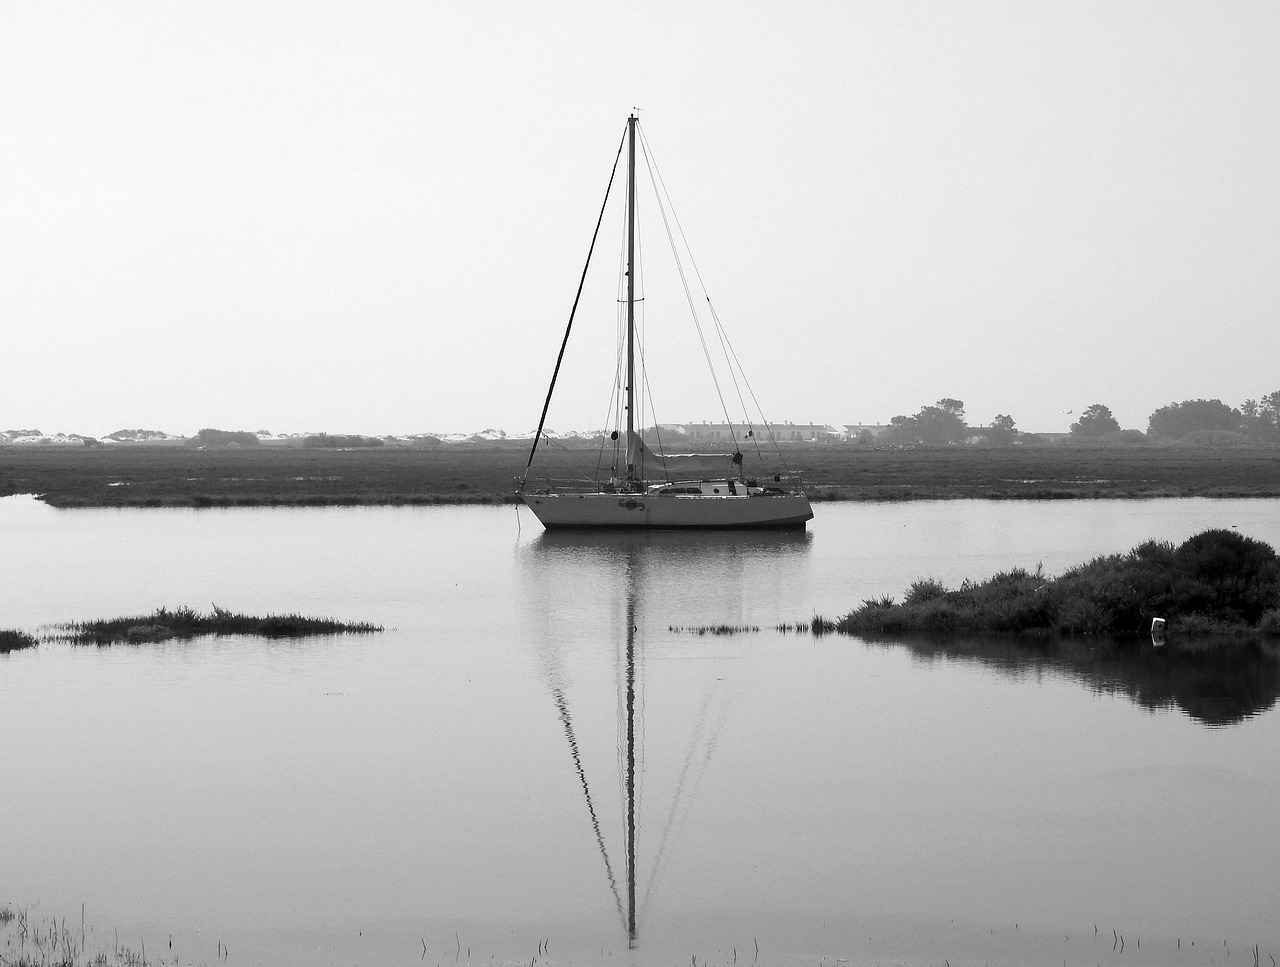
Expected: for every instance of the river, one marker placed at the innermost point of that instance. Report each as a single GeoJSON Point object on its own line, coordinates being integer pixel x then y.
{"type": "Point", "coordinates": [537, 745]}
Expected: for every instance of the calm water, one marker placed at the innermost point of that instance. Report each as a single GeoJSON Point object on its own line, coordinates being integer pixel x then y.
{"type": "Point", "coordinates": [455, 789]}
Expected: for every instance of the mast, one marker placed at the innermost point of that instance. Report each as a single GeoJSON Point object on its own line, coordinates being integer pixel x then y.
{"type": "Point", "coordinates": [632, 476]}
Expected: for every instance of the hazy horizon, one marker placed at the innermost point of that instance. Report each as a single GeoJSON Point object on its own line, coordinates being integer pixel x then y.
{"type": "Point", "coordinates": [374, 218]}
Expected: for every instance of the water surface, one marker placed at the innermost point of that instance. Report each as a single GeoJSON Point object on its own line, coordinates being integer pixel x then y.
{"type": "Point", "coordinates": [460, 781]}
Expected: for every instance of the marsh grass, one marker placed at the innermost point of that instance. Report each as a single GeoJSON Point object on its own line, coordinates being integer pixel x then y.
{"type": "Point", "coordinates": [51, 942]}
{"type": "Point", "coordinates": [185, 622]}
{"type": "Point", "coordinates": [1217, 583]}
{"type": "Point", "coordinates": [15, 640]}
{"type": "Point", "coordinates": [721, 629]}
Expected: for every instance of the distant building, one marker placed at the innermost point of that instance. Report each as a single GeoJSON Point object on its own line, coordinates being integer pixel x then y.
{"type": "Point", "coordinates": [781, 432]}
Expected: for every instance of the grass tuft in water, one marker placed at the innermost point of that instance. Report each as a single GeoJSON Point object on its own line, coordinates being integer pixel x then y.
{"type": "Point", "coordinates": [184, 622]}
{"type": "Point", "coordinates": [821, 626]}
{"type": "Point", "coordinates": [50, 942]}
{"type": "Point", "coordinates": [714, 629]}
{"type": "Point", "coordinates": [15, 640]}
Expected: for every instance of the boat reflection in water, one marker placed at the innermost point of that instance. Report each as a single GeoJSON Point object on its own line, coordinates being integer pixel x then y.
{"type": "Point", "coordinates": [591, 585]}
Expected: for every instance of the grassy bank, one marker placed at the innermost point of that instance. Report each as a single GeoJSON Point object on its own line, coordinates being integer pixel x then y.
{"type": "Point", "coordinates": [176, 476]}
{"type": "Point", "coordinates": [1217, 583]}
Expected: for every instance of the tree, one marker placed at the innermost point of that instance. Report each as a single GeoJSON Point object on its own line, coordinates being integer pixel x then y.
{"type": "Point", "coordinates": [1261, 419]}
{"type": "Point", "coordinates": [209, 437]}
{"type": "Point", "coordinates": [1095, 421]}
{"type": "Point", "coordinates": [902, 429]}
{"type": "Point", "coordinates": [1176, 420]}
{"type": "Point", "coordinates": [942, 423]}
{"type": "Point", "coordinates": [1002, 431]}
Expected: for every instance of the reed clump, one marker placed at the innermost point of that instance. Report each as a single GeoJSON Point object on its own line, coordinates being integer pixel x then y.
{"type": "Point", "coordinates": [15, 640]}
{"type": "Point", "coordinates": [721, 629]}
{"type": "Point", "coordinates": [184, 622]}
{"type": "Point", "coordinates": [50, 942]}
{"type": "Point", "coordinates": [1216, 583]}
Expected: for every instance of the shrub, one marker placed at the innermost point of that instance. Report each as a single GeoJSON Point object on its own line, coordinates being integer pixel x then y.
{"type": "Point", "coordinates": [936, 615]}
{"type": "Point", "coordinates": [924, 589]}
{"type": "Point", "coordinates": [1206, 626]}
{"type": "Point", "coordinates": [1217, 582]}
{"type": "Point", "coordinates": [1083, 617]}
{"type": "Point", "coordinates": [1227, 575]}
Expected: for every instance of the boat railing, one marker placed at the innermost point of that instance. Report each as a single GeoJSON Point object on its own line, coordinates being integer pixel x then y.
{"type": "Point", "coordinates": [789, 482]}
{"type": "Point", "coordinates": [553, 485]}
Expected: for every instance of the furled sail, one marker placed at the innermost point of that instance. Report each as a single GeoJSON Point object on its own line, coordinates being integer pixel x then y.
{"type": "Point", "coordinates": [692, 465]}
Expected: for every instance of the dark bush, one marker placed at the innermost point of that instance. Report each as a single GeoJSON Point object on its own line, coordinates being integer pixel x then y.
{"type": "Point", "coordinates": [1225, 574]}
{"type": "Point", "coordinates": [209, 437]}
{"type": "Point", "coordinates": [1177, 420]}
{"type": "Point", "coordinates": [925, 589]}
{"type": "Point", "coordinates": [1215, 581]}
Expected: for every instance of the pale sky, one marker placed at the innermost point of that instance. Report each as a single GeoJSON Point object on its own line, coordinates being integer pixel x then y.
{"type": "Point", "coordinates": [371, 217]}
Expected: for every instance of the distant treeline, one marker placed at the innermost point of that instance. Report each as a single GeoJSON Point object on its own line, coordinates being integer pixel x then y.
{"type": "Point", "coordinates": [224, 438]}
{"type": "Point", "coordinates": [1194, 422]}
{"type": "Point", "coordinates": [209, 437]}
{"type": "Point", "coordinates": [339, 441]}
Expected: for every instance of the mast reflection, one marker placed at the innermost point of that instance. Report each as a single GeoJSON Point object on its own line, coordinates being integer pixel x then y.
{"type": "Point", "coordinates": [594, 580]}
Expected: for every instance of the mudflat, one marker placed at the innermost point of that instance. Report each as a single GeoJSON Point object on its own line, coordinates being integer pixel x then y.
{"type": "Point", "coordinates": [182, 476]}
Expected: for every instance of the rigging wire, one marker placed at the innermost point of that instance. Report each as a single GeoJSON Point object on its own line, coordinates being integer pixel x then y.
{"type": "Point", "coordinates": [684, 282]}
{"type": "Point", "coordinates": [581, 474]}
{"type": "Point", "coordinates": [732, 363]}
{"type": "Point", "coordinates": [542, 420]}
{"type": "Point", "coordinates": [768, 428]}
{"type": "Point", "coordinates": [692, 772]}
{"type": "Point", "coordinates": [646, 388]}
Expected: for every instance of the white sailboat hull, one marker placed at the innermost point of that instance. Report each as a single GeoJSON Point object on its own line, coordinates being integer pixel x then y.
{"type": "Point", "coordinates": [657, 511]}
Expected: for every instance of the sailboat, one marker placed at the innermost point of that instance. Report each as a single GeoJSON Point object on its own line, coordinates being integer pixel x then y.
{"type": "Point", "coordinates": [646, 488]}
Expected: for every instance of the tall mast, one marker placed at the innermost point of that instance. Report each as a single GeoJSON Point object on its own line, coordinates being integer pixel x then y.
{"type": "Point", "coordinates": [632, 475]}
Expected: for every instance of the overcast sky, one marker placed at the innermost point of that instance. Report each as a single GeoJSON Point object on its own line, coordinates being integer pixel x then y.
{"type": "Point", "coordinates": [371, 217]}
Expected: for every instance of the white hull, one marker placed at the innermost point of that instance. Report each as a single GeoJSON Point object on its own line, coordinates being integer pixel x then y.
{"type": "Point", "coordinates": [649, 510]}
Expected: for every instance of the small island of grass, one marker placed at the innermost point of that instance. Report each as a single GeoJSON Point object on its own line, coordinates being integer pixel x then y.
{"type": "Point", "coordinates": [1216, 583]}
{"type": "Point", "coordinates": [183, 622]}
{"type": "Point", "coordinates": [15, 640]}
